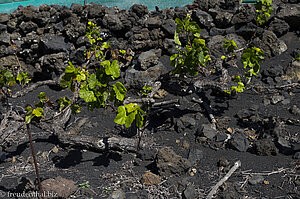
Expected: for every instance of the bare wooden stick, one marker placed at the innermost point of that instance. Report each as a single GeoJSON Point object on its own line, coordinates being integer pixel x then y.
{"type": "Point", "coordinates": [214, 190]}
{"type": "Point", "coordinates": [99, 144]}
{"type": "Point", "coordinates": [142, 100]}
{"type": "Point", "coordinates": [292, 85]}
{"type": "Point", "coordinates": [266, 173]}
{"type": "Point", "coordinates": [207, 108]}
{"type": "Point", "coordinates": [174, 101]}
{"type": "Point", "coordinates": [35, 86]}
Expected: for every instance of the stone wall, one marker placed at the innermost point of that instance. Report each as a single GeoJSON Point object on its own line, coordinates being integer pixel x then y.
{"type": "Point", "coordinates": [47, 37]}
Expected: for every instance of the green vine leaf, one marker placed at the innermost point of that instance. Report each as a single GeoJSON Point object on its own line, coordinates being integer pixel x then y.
{"type": "Point", "coordinates": [130, 118]}
{"type": "Point", "coordinates": [87, 95]}
{"type": "Point", "coordinates": [121, 117]}
{"type": "Point", "coordinates": [113, 69]}
{"type": "Point", "coordinates": [70, 68]}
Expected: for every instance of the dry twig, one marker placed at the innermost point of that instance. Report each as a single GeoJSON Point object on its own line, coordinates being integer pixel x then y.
{"type": "Point", "coordinates": [214, 190]}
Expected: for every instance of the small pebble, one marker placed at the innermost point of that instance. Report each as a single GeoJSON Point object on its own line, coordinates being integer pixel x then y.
{"type": "Point", "coordinates": [256, 180]}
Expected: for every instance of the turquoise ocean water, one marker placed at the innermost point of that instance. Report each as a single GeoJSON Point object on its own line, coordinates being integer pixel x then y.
{"type": "Point", "coordinates": [123, 4]}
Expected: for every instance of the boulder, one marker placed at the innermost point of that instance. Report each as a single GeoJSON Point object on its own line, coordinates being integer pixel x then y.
{"type": "Point", "coordinates": [239, 142]}
{"type": "Point", "coordinates": [284, 146]}
{"type": "Point", "coordinates": [153, 22]}
{"type": "Point", "coordinates": [184, 122]}
{"type": "Point", "coordinates": [149, 58]}
{"type": "Point", "coordinates": [140, 40]}
{"type": "Point", "coordinates": [78, 56]}
{"type": "Point", "coordinates": [73, 32]}
{"type": "Point", "coordinates": [41, 18]}
{"type": "Point", "coordinates": [169, 46]}
{"type": "Point", "coordinates": [169, 163]}
{"type": "Point", "coordinates": [95, 11]}
{"type": "Point", "coordinates": [27, 13]}
{"type": "Point", "coordinates": [195, 155]}
{"type": "Point", "coordinates": [181, 12]}
{"type": "Point", "coordinates": [4, 38]}
{"type": "Point", "coordinates": [270, 44]}
{"type": "Point", "coordinates": [244, 14]}
{"type": "Point", "coordinates": [53, 43]}
{"type": "Point", "coordinates": [3, 28]}
{"type": "Point", "coordinates": [10, 62]}
{"type": "Point", "coordinates": [28, 27]}
{"type": "Point", "coordinates": [215, 44]}
{"type": "Point", "coordinates": [77, 8]}
{"type": "Point", "coordinates": [139, 10]}
{"type": "Point", "coordinates": [295, 110]}
{"type": "Point", "coordinates": [54, 62]}
{"type": "Point", "coordinates": [117, 194]}
{"type": "Point", "coordinates": [4, 18]}
{"type": "Point", "coordinates": [150, 178]}
{"type": "Point", "coordinates": [12, 25]}
{"type": "Point", "coordinates": [6, 51]}
{"type": "Point", "coordinates": [190, 192]}
{"type": "Point", "coordinates": [293, 71]}
{"type": "Point", "coordinates": [207, 4]}
{"type": "Point", "coordinates": [223, 19]}
{"type": "Point", "coordinates": [204, 19]}
{"type": "Point", "coordinates": [206, 130]}
{"type": "Point", "coordinates": [169, 27]}
{"type": "Point", "coordinates": [112, 22]}
{"type": "Point", "coordinates": [59, 187]}
{"type": "Point", "coordinates": [265, 147]}
{"type": "Point", "coordinates": [138, 79]}
{"type": "Point", "coordinates": [230, 4]}
{"type": "Point", "coordinates": [279, 27]}
{"type": "Point", "coordinates": [248, 30]}
{"type": "Point", "coordinates": [273, 71]}
{"type": "Point", "coordinates": [290, 13]}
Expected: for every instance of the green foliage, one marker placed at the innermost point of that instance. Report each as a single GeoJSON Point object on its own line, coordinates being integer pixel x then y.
{"type": "Point", "coordinates": [128, 113]}
{"type": "Point", "coordinates": [43, 100]}
{"type": "Point", "coordinates": [194, 54]}
{"type": "Point", "coordinates": [63, 102]}
{"type": "Point", "coordinates": [146, 90]}
{"type": "Point", "coordinates": [37, 112]}
{"type": "Point", "coordinates": [93, 34]}
{"type": "Point", "coordinates": [230, 45]}
{"type": "Point", "coordinates": [85, 185]}
{"type": "Point", "coordinates": [297, 57]}
{"type": "Point", "coordinates": [100, 87]}
{"type": "Point", "coordinates": [264, 10]}
{"type": "Point", "coordinates": [23, 78]}
{"type": "Point", "coordinates": [251, 59]}
{"type": "Point", "coordinates": [31, 113]}
{"type": "Point", "coordinates": [6, 78]}
{"type": "Point", "coordinates": [240, 86]}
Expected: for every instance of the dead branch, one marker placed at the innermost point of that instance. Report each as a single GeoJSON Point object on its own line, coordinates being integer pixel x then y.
{"type": "Point", "coordinates": [34, 86]}
{"type": "Point", "coordinates": [206, 84]}
{"type": "Point", "coordinates": [261, 88]}
{"type": "Point", "coordinates": [99, 144]}
{"type": "Point", "coordinates": [142, 100]}
{"type": "Point", "coordinates": [207, 108]}
{"type": "Point", "coordinates": [175, 101]}
{"type": "Point", "coordinates": [214, 190]}
{"type": "Point", "coordinates": [265, 173]}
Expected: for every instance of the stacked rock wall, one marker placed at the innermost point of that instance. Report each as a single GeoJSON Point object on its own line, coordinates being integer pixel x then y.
{"type": "Point", "coordinates": [47, 37]}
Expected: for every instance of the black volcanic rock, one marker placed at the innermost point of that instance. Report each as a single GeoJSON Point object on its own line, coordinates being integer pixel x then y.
{"type": "Point", "coordinates": [53, 43]}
